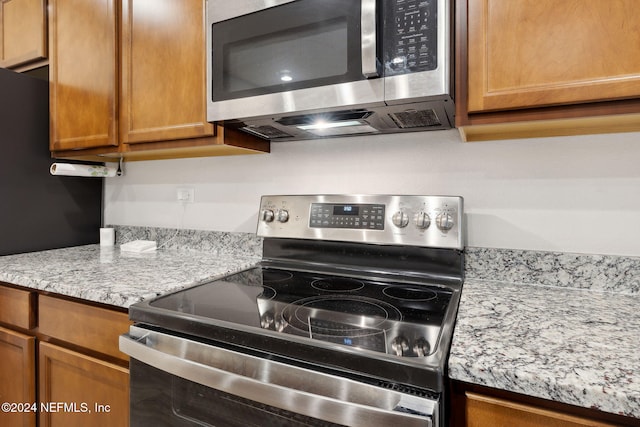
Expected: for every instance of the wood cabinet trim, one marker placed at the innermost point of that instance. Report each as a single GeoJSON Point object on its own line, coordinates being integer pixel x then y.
{"type": "Point", "coordinates": [546, 128]}
{"type": "Point", "coordinates": [227, 142]}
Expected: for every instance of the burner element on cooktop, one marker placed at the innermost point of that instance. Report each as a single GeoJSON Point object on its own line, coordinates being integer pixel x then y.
{"type": "Point", "coordinates": [407, 293]}
{"type": "Point", "coordinates": [274, 276]}
{"type": "Point", "coordinates": [337, 284]}
{"type": "Point", "coordinates": [354, 315]}
{"type": "Point", "coordinates": [267, 293]}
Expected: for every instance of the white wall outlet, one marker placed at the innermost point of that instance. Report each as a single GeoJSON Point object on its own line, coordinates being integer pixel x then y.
{"type": "Point", "coordinates": [185, 195]}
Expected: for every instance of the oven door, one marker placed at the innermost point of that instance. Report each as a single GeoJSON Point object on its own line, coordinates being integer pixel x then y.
{"type": "Point", "coordinates": [180, 382]}
{"type": "Point", "coordinates": [299, 55]}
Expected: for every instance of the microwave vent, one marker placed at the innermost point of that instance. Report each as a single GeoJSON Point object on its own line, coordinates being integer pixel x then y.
{"type": "Point", "coordinates": [266, 132]}
{"type": "Point", "coordinates": [415, 119]}
{"type": "Point", "coordinates": [333, 116]}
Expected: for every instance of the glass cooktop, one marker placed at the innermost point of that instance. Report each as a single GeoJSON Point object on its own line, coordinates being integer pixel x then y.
{"type": "Point", "coordinates": [389, 317]}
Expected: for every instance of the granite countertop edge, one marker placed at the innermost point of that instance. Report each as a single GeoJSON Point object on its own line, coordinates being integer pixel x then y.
{"type": "Point", "coordinates": [576, 346]}
{"type": "Point", "coordinates": [110, 277]}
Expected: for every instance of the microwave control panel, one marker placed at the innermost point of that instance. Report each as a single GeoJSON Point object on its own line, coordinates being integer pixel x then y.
{"type": "Point", "coordinates": [410, 36]}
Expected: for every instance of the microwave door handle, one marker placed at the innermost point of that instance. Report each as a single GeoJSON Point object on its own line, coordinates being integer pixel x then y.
{"type": "Point", "coordinates": [369, 39]}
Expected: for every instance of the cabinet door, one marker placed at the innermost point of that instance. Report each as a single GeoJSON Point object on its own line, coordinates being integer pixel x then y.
{"type": "Point", "coordinates": [17, 377]}
{"type": "Point", "coordinates": [83, 72]}
{"type": "Point", "coordinates": [534, 53]}
{"type": "Point", "coordinates": [96, 392]}
{"type": "Point", "coordinates": [23, 32]}
{"type": "Point", "coordinates": [163, 71]}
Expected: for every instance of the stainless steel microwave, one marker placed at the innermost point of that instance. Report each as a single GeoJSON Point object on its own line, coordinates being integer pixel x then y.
{"type": "Point", "coordinates": [300, 69]}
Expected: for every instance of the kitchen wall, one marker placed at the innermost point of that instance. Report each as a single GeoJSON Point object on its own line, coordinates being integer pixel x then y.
{"type": "Point", "coordinates": [571, 194]}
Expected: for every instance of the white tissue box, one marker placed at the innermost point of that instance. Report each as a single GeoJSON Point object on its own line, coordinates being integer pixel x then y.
{"type": "Point", "coordinates": [139, 246]}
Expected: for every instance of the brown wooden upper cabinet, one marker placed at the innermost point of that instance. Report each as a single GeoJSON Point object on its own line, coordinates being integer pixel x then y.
{"type": "Point", "coordinates": [522, 60]}
{"type": "Point", "coordinates": [83, 70]}
{"type": "Point", "coordinates": [23, 32]}
{"type": "Point", "coordinates": [128, 78]}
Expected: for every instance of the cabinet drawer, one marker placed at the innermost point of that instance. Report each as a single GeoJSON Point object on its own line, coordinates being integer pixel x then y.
{"type": "Point", "coordinates": [93, 328]}
{"type": "Point", "coordinates": [18, 307]}
{"type": "Point", "coordinates": [488, 411]}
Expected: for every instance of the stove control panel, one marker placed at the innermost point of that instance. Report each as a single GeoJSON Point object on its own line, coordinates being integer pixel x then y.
{"type": "Point", "coordinates": [347, 215]}
{"type": "Point", "coordinates": [430, 221]}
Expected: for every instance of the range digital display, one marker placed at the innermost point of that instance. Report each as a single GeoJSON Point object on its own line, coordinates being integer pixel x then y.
{"type": "Point", "coordinates": [346, 210]}
{"type": "Point", "coordinates": [343, 215]}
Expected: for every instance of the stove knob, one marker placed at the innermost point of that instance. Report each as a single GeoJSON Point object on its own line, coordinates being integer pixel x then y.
{"type": "Point", "coordinates": [400, 345]}
{"type": "Point", "coordinates": [267, 215]}
{"type": "Point", "coordinates": [400, 219]}
{"type": "Point", "coordinates": [283, 215]}
{"type": "Point", "coordinates": [423, 221]}
{"type": "Point", "coordinates": [421, 347]}
{"type": "Point", "coordinates": [280, 323]}
{"type": "Point", "coordinates": [266, 321]}
{"type": "Point", "coordinates": [444, 221]}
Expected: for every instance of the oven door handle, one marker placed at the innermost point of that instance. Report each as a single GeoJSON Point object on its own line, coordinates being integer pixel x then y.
{"type": "Point", "coordinates": [298, 390]}
{"type": "Point", "coordinates": [369, 39]}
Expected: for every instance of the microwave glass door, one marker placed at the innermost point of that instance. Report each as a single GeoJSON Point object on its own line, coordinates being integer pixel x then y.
{"type": "Point", "coordinates": [298, 45]}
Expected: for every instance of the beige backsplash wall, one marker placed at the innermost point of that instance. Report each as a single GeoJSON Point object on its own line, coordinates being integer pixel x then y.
{"type": "Point", "coordinates": [571, 194]}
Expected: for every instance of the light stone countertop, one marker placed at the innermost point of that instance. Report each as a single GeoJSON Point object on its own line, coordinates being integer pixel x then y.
{"type": "Point", "coordinates": [577, 345]}
{"type": "Point", "coordinates": [542, 324]}
{"type": "Point", "coordinates": [108, 276]}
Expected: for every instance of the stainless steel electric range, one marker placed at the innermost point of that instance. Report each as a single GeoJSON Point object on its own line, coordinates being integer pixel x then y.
{"type": "Point", "coordinates": [346, 321]}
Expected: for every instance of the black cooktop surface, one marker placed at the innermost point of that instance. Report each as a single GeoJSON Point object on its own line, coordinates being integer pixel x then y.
{"type": "Point", "coordinates": [237, 298]}
{"type": "Point", "coordinates": [350, 311]}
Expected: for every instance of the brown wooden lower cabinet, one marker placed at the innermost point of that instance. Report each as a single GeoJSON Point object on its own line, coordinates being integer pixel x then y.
{"type": "Point", "coordinates": [484, 410]}
{"type": "Point", "coordinates": [17, 378]}
{"type": "Point", "coordinates": [59, 361]}
{"type": "Point", "coordinates": [81, 390]}
{"type": "Point", "coordinates": [478, 406]}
